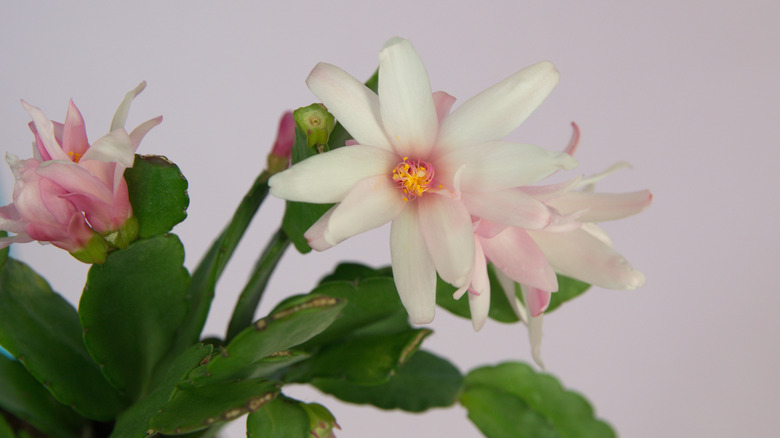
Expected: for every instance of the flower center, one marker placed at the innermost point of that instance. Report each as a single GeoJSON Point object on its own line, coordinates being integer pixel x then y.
{"type": "Point", "coordinates": [414, 178]}
{"type": "Point", "coordinates": [75, 156]}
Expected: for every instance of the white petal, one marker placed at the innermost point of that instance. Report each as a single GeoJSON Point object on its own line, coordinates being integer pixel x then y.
{"type": "Point", "coordinates": [509, 287]}
{"type": "Point", "coordinates": [373, 202]}
{"type": "Point", "coordinates": [479, 294]}
{"type": "Point", "coordinates": [120, 116]}
{"type": "Point", "coordinates": [535, 334]}
{"type": "Point", "coordinates": [406, 101]}
{"type": "Point", "coordinates": [352, 103]}
{"type": "Point", "coordinates": [328, 177]}
{"type": "Point", "coordinates": [141, 130]}
{"type": "Point", "coordinates": [413, 270]}
{"type": "Point", "coordinates": [315, 235]}
{"type": "Point", "coordinates": [114, 147]}
{"type": "Point", "coordinates": [497, 111]}
{"type": "Point", "coordinates": [501, 165]}
{"type": "Point", "coordinates": [45, 129]}
{"type": "Point", "coordinates": [509, 207]}
{"type": "Point", "coordinates": [446, 225]}
{"type": "Point", "coordinates": [580, 255]}
{"type": "Point", "coordinates": [600, 207]}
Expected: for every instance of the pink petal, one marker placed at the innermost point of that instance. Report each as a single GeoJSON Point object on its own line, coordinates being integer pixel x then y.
{"type": "Point", "coordinates": [405, 100]}
{"type": "Point", "coordinates": [535, 334]}
{"type": "Point", "coordinates": [509, 207]}
{"type": "Point", "coordinates": [120, 116]}
{"type": "Point", "coordinates": [97, 212]}
{"type": "Point", "coordinates": [373, 202]}
{"type": "Point", "coordinates": [515, 254]}
{"type": "Point", "coordinates": [488, 229]}
{"type": "Point", "coordinates": [571, 148]}
{"type": "Point", "coordinates": [45, 130]}
{"type": "Point", "coordinates": [328, 177]}
{"type": "Point", "coordinates": [479, 292]}
{"type": "Point", "coordinates": [75, 179]}
{"type": "Point", "coordinates": [580, 255]}
{"type": "Point", "coordinates": [501, 165]}
{"type": "Point", "coordinates": [74, 134]}
{"type": "Point", "coordinates": [497, 111]}
{"type": "Point", "coordinates": [413, 269]}
{"type": "Point", "coordinates": [599, 207]}
{"type": "Point", "coordinates": [537, 300]}
{"type": "Point", "coordinates": [443, 102]}
{"type": "Point", "coordinates": [352, 103]}
{"type": "Point", "coordinates": [315, 235]}
{"type": "Point", "coordinates": [446, 227]}
{"type": "Point", "coordinates": [10, 220]}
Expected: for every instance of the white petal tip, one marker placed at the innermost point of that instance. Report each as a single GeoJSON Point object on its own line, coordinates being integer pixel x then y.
{"type": "Point", "coordinates": [421, 316]}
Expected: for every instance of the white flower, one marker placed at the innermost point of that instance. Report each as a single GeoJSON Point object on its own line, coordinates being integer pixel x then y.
{"type": "Point", "coordinates": [425, 170]}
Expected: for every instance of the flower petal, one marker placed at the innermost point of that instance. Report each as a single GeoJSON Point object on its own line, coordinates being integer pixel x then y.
{"type": "Point", "coordinates": [581, 255]}
{"type": "Point", "coordinates": [328, 177]}
{"type": "Point", "coordinates": [501, 165]}
{"type": "Point", "coordinates": [74, 134]}
{"type": "Point", "coordinates": [536, 300]}
{"type": "Point", "coordinates": [413, 270]}
{"type": "Point", "coordinates": [114, 147]}
{"type": "Point", "coordinates": [509, 207]}
{"type": "Point", "coordinates": [120, 116]}
{"type": "Point", "coordinates": [75, 179]}
{"type": "Point", "coordinates": [45, 131]}
{"type": "Point", "coordinates": [315, 235]}
{"type": "Point", "coordinates": [141, 130]}
{"type": "Point", "coordinates": [534, 333]}
{"type": "Point", "coordinates": [443, 102]}
{"type": "Point", "coordinates": [497, 111]}
{"type": "Point", "coordinates": [599, 207]}
{"type": "Point", "coordinates": [373, 202]}
{"type": "Point", "coordinates": [405, 100]}
{"type": "Point", "coordinates": [352, 103]}
{"type": "Point", "coordinates": [515, 254]}
{"type": "Point", "coordinates": [446, 226]}
{"type": "Point", "coordinates": [479, 292]}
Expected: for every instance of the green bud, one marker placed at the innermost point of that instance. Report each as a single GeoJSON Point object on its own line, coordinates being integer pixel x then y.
{"type": "Point", "coordinates": [317, 123]}
{"type": "Point", "coordinates": [95, 251]}
{"type": "Point", "coordinates": [321, 421]}
{"type": "Point", "coordinates": [125, 235]}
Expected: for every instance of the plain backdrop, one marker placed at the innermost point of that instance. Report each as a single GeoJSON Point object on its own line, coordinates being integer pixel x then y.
{"type": "Point", "coordinates": [685, 91]}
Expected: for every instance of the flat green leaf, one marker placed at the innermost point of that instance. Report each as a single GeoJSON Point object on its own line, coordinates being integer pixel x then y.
{"type": "Point", "coordinates": [368, 360]}
{"type": "Point", "coordinates": [7, 432]}
{"type": "Point", "coordinates": [280, 418]}
{"type": "Point", "coordinates": [425, 381]}
{"type": "Point", "coordinates": [28, 400]}
{"type": "Point", "coordinates": [513, 400]}
{"type": "Point", "coordinates": [134, 422]}
{"type": "Point", "coordinates": [210, 268]}
{"type": "Point", "coordinates": [130, 310]}
{"type": "Point", "coordinates": [199, 407]}
{"type": "Point", "coordinates": [158, 194]}
{"type": "Point", "coordinates": [500, 310]}
{"type": "Point", "coordinates": [568, 288]}
{"type": "Point", "coordinates": [286, 327]}
{"type": "Point", "coordinates": [373, 307]}
{"type": "Point", "coordinates": [356, 272]}
{"type": "Point", "coordinates": [42, 329]}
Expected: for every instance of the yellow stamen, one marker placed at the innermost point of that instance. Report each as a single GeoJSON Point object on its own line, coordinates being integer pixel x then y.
{"type": "Point", "coordinates": [74, 156]}
{"type": "Point", "coordinates": [413, 178]}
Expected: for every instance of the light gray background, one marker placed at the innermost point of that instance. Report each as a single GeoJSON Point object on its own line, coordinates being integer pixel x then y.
{"type": "Point", "coordinates": [686, 91]}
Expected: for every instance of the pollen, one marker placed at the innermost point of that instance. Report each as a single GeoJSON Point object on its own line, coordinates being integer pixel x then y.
{"type": "Point", "coordinates": [74, 156]}
{"type": "Point", "coordinates": [413, 177]}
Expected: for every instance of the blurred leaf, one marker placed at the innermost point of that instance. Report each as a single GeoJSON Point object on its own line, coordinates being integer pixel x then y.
{"type": "Point", "coordinates": [355, 272]}
{"type": "Point", "coordinates": [28, 400]}
{"type": "Point", "coordinates": [42, 330]}
{"type": "Point", "coordinates": [368, 360]}
{"type": "Point", "coordinates": [286, 327]}
{"type": "Point", "coordinates": [131, 307]}
{"type": "Point", "coordinates": [568, 288]}
{"type": "Point", "coordinates": [210, 268]}
{"type": "Point", "coordinates": [425, 381]}
{"type": "Point", "coordinates": [280, 418]}
{"type": "Point", "coordinates": [199, 407]}
{"type": "Point", "coordinates": [5, 428]}
{"type": "Point", "coordinates": [158, 194]}
{"type": "Point", "coordinates": [512, 400]}
{"type": "Point", "coordinates": [134, 422]}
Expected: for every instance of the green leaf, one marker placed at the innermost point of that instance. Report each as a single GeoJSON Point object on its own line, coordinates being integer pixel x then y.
{"type": "Point", "coordinates": [130, 310]}
{"type": "Point", "coordinates": [500, 310]}
{"type": "Point", "coordinates": [373, 307]}
{"type": "Point", "coordinates": [286, 327]}
{"type": "Point", "coordinates": [280, 418]}
{"type": "Point", "coordinates": [42, 330]}
{"type": "Point", "coordinates": [158, 194]}
{"type": "Point", "coordinates": [425, 381]}
{"type": "Point", "coordinates": [568, 288]}
{"type": "Point", "coordinates": [355, 272]}
{"type": "Point", "coordinates": [134, 422]}
{"type": "Point", "coordinates": [368, 360]}
{"type": "Point", "coordinates": [210, 268]}
{"type": "Point", "coordinates": [28, 400]}
{"type": "Point", "coordinates": [199, 407]}
{"type": "Point", "coordinates": [512, 400]}
{"type": "Point", "coordinates": [7, 432]}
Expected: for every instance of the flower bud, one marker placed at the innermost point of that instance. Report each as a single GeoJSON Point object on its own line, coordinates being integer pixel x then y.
{"type": "Point", "coordinates": [95, 250]}
{"type": "Point", "coordinates": [317, 123]}
{"type": "Point", "coordinates": [279, 158]}
{"type": "Point", "coordinates": [321, 421]}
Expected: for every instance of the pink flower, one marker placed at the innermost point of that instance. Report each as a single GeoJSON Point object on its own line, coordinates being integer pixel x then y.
{"type": "Point", "coordinates": [279, 158]}
{"type": "Point", "coordinates": [71, 190]}
{"type": "Point", "coordinates": [423, 169]}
